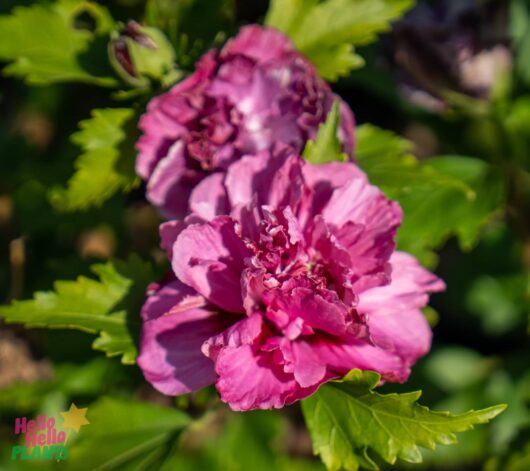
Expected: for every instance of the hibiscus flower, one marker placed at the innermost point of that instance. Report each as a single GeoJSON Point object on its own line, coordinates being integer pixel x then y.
{"type": "Point", "coordinates": [296, 285]}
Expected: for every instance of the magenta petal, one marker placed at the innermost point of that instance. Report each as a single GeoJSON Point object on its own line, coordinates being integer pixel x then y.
{"type": "Point", "coordinates": [169, 297]}
{"type": "Point", "coordinates": [309, 370]}
{"type": "Point", "coordinates": [173, 331]}
{"type": "Point", "coordinates": [332, 175]}
{"type": "Point", "coordinates": [249, 380]}
{"type": "Point", "coordinates": [324, 180]}
{"type": "Point", "coordinates": [259, 44]}
{"type": "Point", "coordinates": [343, 357]}
{"type": "Point", "coordinates": [244, 332]}
{"type": "Point", "coordinates": [209, 199]}
{"type": "Point", "coordinates": [269, 178]}
{"type": "Point", "coordinates": [168, 234]}
{"type": "Point", "coordinates": [358, 204]}
{"type": "Point", "coordinates": [394, 315]}
{"type": "Point", "coordinates": [167, 188]}
{"type": "Point", "coordinates": [209, 257]}
{"type": "Point", "coordinates": [361, 203]}
{"type": "Point", "coordinates": [331, 317]}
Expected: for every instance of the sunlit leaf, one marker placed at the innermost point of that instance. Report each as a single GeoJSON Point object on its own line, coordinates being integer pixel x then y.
{"type": "Point", "coordinates": [327, 31]}
{"type": "Point", "coordinates": [44, 44]}
{"type": "Point", "coordinates": [107, 306]}
{"type": "Point", "coordinates": [348, 420]}
{"type": "Point", "coordinates": [326, 147]}
{"type": "Point", "coordinates": [106, 164]}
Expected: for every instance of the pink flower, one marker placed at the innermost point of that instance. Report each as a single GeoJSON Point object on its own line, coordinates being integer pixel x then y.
{"type": "Point", "coordinates": [256, 91]}
{"type": "Point", "coordinates": [299, 284]}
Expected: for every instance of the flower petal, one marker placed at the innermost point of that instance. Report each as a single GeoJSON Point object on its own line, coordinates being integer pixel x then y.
{"type": "Point", "coordinates": [209, 257]}
{"type": "Point", "coordinates": [172, 335]}
{"type": "Point", "coordinates": [271, 178]}
{"type": "Point", "coordinates": [393, 313]}
{"type": "Point", "coordinates": [209, 199]}
{"type": "Point", "coordinates": [343, 357]}
{"type": "Point", "coordinates": [252, 380]}
{"type": "Point", "coordinates": [324, 180]}
{"type": "Point", "coordinates": [259, 44]}
{"type": "Point", "coordinates": [171, 183]}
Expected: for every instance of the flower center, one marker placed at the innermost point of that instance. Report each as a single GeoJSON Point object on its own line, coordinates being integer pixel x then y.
{"type": "Point", "coordinates": [210, 131]}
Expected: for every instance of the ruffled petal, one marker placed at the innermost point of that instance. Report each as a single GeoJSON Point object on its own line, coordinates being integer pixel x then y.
{"type": "Point", "coordinates": [171, 183]}
{"type": "Point", "coordinates": [259, 44]}
{"type": "Point", "coordinates": [209, 199]}
{"type": "Point", "coordinates": [253, 380]}
{"type": "Point", "coordinates": [393, 312]}
{"type": "Point", "coordinates": [173, 332]}
{"type": "Point", "coordinates": [209, 257]}
{"type": "Point", "coordinates": [272, 178]}
{"type": "Point", "coordinates": [341, 357]}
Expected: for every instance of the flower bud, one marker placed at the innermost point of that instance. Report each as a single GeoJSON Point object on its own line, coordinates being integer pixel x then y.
{"type": "Point", "coordinates": [140, 54]}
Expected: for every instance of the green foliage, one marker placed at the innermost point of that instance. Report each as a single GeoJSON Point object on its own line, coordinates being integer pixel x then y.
{"type": "Point", "coordinates": [89, 379]}
{"type": "Point", "coordinates": [441, 197]}
{"type": "Point", "coordinates": [238, 442]}
{"type": "Point", "coordinates": [455, 368]}
{"type": "Point", "coordinates": [327, 31]}
{"type": "Point", "coordinates": [515, 391]}
{"type": "Point", "coordinates": [347, 419]}
{"type": "Point", "coordinates": [326, 147]}
{"type": "Point", "coordinates": [501, 303]}
{"type": "Point", "coordinates": [107, 163]}
{"type": "Point", "coordinates": [44, 45]}
{"type": "Point", "coordinates": [108, 306]}
{"type": "Point", "coordinates": [125, 434]}
{"type": "Point", "coordinates": [517, 461]}
{"type": "Point", "coordinates": [193, 26]}
{"type": "Point", "coordinates": [520, 32]}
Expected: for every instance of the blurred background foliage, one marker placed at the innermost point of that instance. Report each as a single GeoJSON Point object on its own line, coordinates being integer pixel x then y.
{"type": "Point", "coordinates": [449, 83]}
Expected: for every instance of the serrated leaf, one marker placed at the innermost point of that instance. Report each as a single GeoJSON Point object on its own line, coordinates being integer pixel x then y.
{"type": "Point", "coordinates": [108, 306]}
{"type": "Point", "coordinates": [440, 197]}
{"type": "Point", "coordinates": [347, 418]}
{"type": "Point", "coordinates": [122, 433]}
{"type": "Point", "coordinates": [438, 212]}
{"type": "Point", "coordinates": [326, 31]}
{"type": "Point", "coordinates": [337, 62]}
{"type": "Point", "coordinates": [326, 147]}
{"type": "Point", "coordinates": [43, 45]}
{"type": "Point", "coordinates": [99, 174]}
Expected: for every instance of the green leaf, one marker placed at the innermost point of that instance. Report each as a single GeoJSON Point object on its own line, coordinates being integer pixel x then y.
{"type": "Point", "coordinates": [326, 147]}
{"type": "Point", "coordinates": [107, 163]}
{"type": "Point", "coordinates": [326, 31]}
{"type": "Point", "coordinates": [193, 26]}
{"type": "Point", "coordinates": [347, 419]}
{"type": "Point", "coordinates": [108, 306]}
{"type": "Point", "coordinates": [44, 45]}
{"type": "Point", "coordinates": [440, 197]}
{"type": "Point", "coordinates": [123, 434]}
{"type": "Point", "coordinates": [445, 211]}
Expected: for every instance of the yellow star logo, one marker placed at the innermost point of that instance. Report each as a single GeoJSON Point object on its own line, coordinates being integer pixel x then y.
{"type": "Point", "coordinates": [74, 418]}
